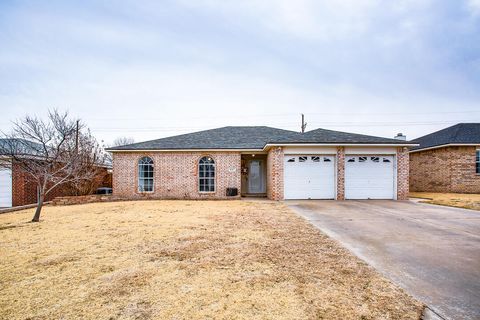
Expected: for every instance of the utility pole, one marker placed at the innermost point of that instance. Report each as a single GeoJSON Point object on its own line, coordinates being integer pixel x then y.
{"type": "Point", "coordinates": [76, 137]}
{"type": "Point", "coordinates": [304, 124]}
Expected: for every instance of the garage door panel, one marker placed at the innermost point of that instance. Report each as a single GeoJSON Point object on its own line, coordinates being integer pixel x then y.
{"type": "Point", "coordinates": [5, 187]}
{"type": "Point", "coordinates": [309, 177]}
{"type": "Point", "coordinates": [369, 177]}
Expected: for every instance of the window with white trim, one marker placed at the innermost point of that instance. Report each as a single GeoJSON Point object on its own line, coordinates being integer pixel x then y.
{"type": "Point", "coordinates": [206, 175]}
{"type": "Point", "coordinates": [477, 162]}
{"type": "Point", "coordinates": [145, 174]}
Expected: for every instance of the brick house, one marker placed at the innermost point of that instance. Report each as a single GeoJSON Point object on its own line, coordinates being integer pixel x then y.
{"type": "Point", "coordinates": [17, 188]}
{"type": "Point", "coordinates": [447, 160]}
{"type": "Point", "coordinates": [263, 161]}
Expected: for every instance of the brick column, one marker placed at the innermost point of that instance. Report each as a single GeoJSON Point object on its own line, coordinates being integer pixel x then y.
{"type": "Point", "coordinates": [403, 163]}
{"type": "Point", "coordinates": [275, 173]}
{"type": "Point", "coordinates": [340, 173]}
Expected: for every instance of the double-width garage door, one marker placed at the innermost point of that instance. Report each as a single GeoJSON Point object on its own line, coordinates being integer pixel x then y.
{"type": "Point", "coordinates": [313, 177]}
{"type": "Point", "coordinates": [309, 177]}
{"type": "Point", "coordinates": [369, 177]}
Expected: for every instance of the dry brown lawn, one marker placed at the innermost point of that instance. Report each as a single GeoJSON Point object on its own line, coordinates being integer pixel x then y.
{"type": "Point", "coordinates": [460, 200]}
{"type": "Point", "coordinates": [185, 260]}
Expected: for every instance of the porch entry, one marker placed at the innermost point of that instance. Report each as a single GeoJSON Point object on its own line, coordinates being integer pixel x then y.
{"type": "Point", "coordinates": [254, 174]}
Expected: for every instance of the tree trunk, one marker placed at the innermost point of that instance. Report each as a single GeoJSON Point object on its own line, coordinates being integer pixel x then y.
{"type": "Point", "coordinates": [36, 217]}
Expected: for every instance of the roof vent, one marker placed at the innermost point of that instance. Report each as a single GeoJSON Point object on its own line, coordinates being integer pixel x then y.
{"type": "Point", "coordinates": [400, 136]}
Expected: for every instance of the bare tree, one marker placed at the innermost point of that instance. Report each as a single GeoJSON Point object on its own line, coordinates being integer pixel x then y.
{"type": "Point", "coordinates": [94, 164]}
{"type": "Point", "coordinates": [121, 141]}
{"type": "Point", "coordinates": [52, 153]}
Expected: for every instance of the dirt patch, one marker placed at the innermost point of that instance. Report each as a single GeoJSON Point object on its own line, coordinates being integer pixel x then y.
{"type": "Point", "coordinates": [459, 200]}
{"type": "Point", "coordinates": [185, 260]}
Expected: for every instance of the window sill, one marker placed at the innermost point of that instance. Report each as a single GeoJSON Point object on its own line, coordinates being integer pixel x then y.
{"type": "Point", "coordinates": [206, 192]}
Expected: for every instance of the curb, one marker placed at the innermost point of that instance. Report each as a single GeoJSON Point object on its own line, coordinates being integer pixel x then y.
{"type": "Point", "coordinates": [430, 314]}
{"type": "Point", "coordinates": [27, 206]}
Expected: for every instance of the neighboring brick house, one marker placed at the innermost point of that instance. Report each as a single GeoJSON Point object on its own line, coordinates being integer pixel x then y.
{"type": "Point", "coordinates": [262, 161]}
{"type": "Point", "coordinates": [447, 160]}
{"type": "Point", "coordinates": [17, 188]}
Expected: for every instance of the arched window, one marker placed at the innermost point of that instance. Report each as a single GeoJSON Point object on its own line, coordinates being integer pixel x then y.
{"type": "Point", "coordinates": [145, 174]}
{"type": "Point", "coordinates": [206, 175]}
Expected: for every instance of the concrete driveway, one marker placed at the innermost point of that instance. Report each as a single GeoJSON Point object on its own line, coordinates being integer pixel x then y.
{"type": "Point", "coordinates": [433, 252]}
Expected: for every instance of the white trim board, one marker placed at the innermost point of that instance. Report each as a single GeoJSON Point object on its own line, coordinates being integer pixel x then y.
{"type": "Point", "coordinates": [370, 150]}
{"type": "Point", "coordinates": [309, 150]}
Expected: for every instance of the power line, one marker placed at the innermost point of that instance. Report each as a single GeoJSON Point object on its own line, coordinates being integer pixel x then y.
{"type": "Point", "coordinates": [397, 113]}
{"type": "Point", "coordinates": [291, 125]}
{"type": "Point", "coordinates": [308, 113]}
{"type": "Point", "coordinates": [291, 114]}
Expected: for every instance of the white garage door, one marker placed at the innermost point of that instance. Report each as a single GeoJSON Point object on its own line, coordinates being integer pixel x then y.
{"type": "Point", "coordinates": [369, 177]}
{"type": "Point", "coordinates": [309, 177]}
{"type": "Point", "coordinates": [5, 187]}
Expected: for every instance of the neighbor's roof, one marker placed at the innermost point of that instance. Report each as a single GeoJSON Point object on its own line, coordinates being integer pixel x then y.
{"type": "Point", "coordinates": [19, 147]}
{"type": "Point", "coordinates": [462, 133]}
{"type": "Point", "coordinates": [252, 138]}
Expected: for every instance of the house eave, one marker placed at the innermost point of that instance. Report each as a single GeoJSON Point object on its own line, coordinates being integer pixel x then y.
{"type": "Point", "coordinates": [446, 145]}
{"type": "Point", "coordinates": [185, 150]}
{"type": "Point", "coordinates": [268, 146]}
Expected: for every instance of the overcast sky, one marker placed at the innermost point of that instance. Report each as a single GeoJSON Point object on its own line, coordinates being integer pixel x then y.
{"type": "Point", "coordinates": [149, 69]}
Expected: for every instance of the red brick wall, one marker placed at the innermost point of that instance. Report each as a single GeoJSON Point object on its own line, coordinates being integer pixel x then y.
{"type": "Point", "coordinates": [24, 187]}
{"type": "Point", "coordinates": [402, 173]}
{"type": "Point", "coordinates": [175, 174]}
{"type": "Point", "coordinates": [449, 169]}
{"type": "Point", "coordinates": [71, 200]}
{"type": "Point", "coordinates": [275, 173]}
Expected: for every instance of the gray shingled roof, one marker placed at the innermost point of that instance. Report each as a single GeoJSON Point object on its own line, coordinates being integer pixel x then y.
{"type": "Point", "coordinates": [458, 134]}
{"type": "Point", "coordinates": [220, 138]}
{"type": "Point", "coordinates": [251, 138]}
{"type": "Point", "coordinates": [331, 136]}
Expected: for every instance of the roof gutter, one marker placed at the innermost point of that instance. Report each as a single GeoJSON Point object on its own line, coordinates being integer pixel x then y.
{"type": "Point", "coordinates": [185, 150]}
{"type": "Point", "coordinates": [446, 145]}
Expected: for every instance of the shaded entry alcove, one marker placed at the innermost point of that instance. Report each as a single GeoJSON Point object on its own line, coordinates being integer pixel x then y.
{"type": "Point", "coordinates": [254, 175]}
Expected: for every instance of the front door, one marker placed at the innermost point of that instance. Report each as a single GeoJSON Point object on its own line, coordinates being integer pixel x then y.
{"type": "Point", "coordinates": [256, 179]}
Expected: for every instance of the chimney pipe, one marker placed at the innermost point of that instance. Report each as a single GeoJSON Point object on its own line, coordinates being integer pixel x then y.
{"type": "Point", "coordinates": [400, 136]}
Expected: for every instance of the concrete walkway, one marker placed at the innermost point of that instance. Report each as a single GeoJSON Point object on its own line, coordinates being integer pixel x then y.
{"type": "Point", "coordinates": [433, 252]}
